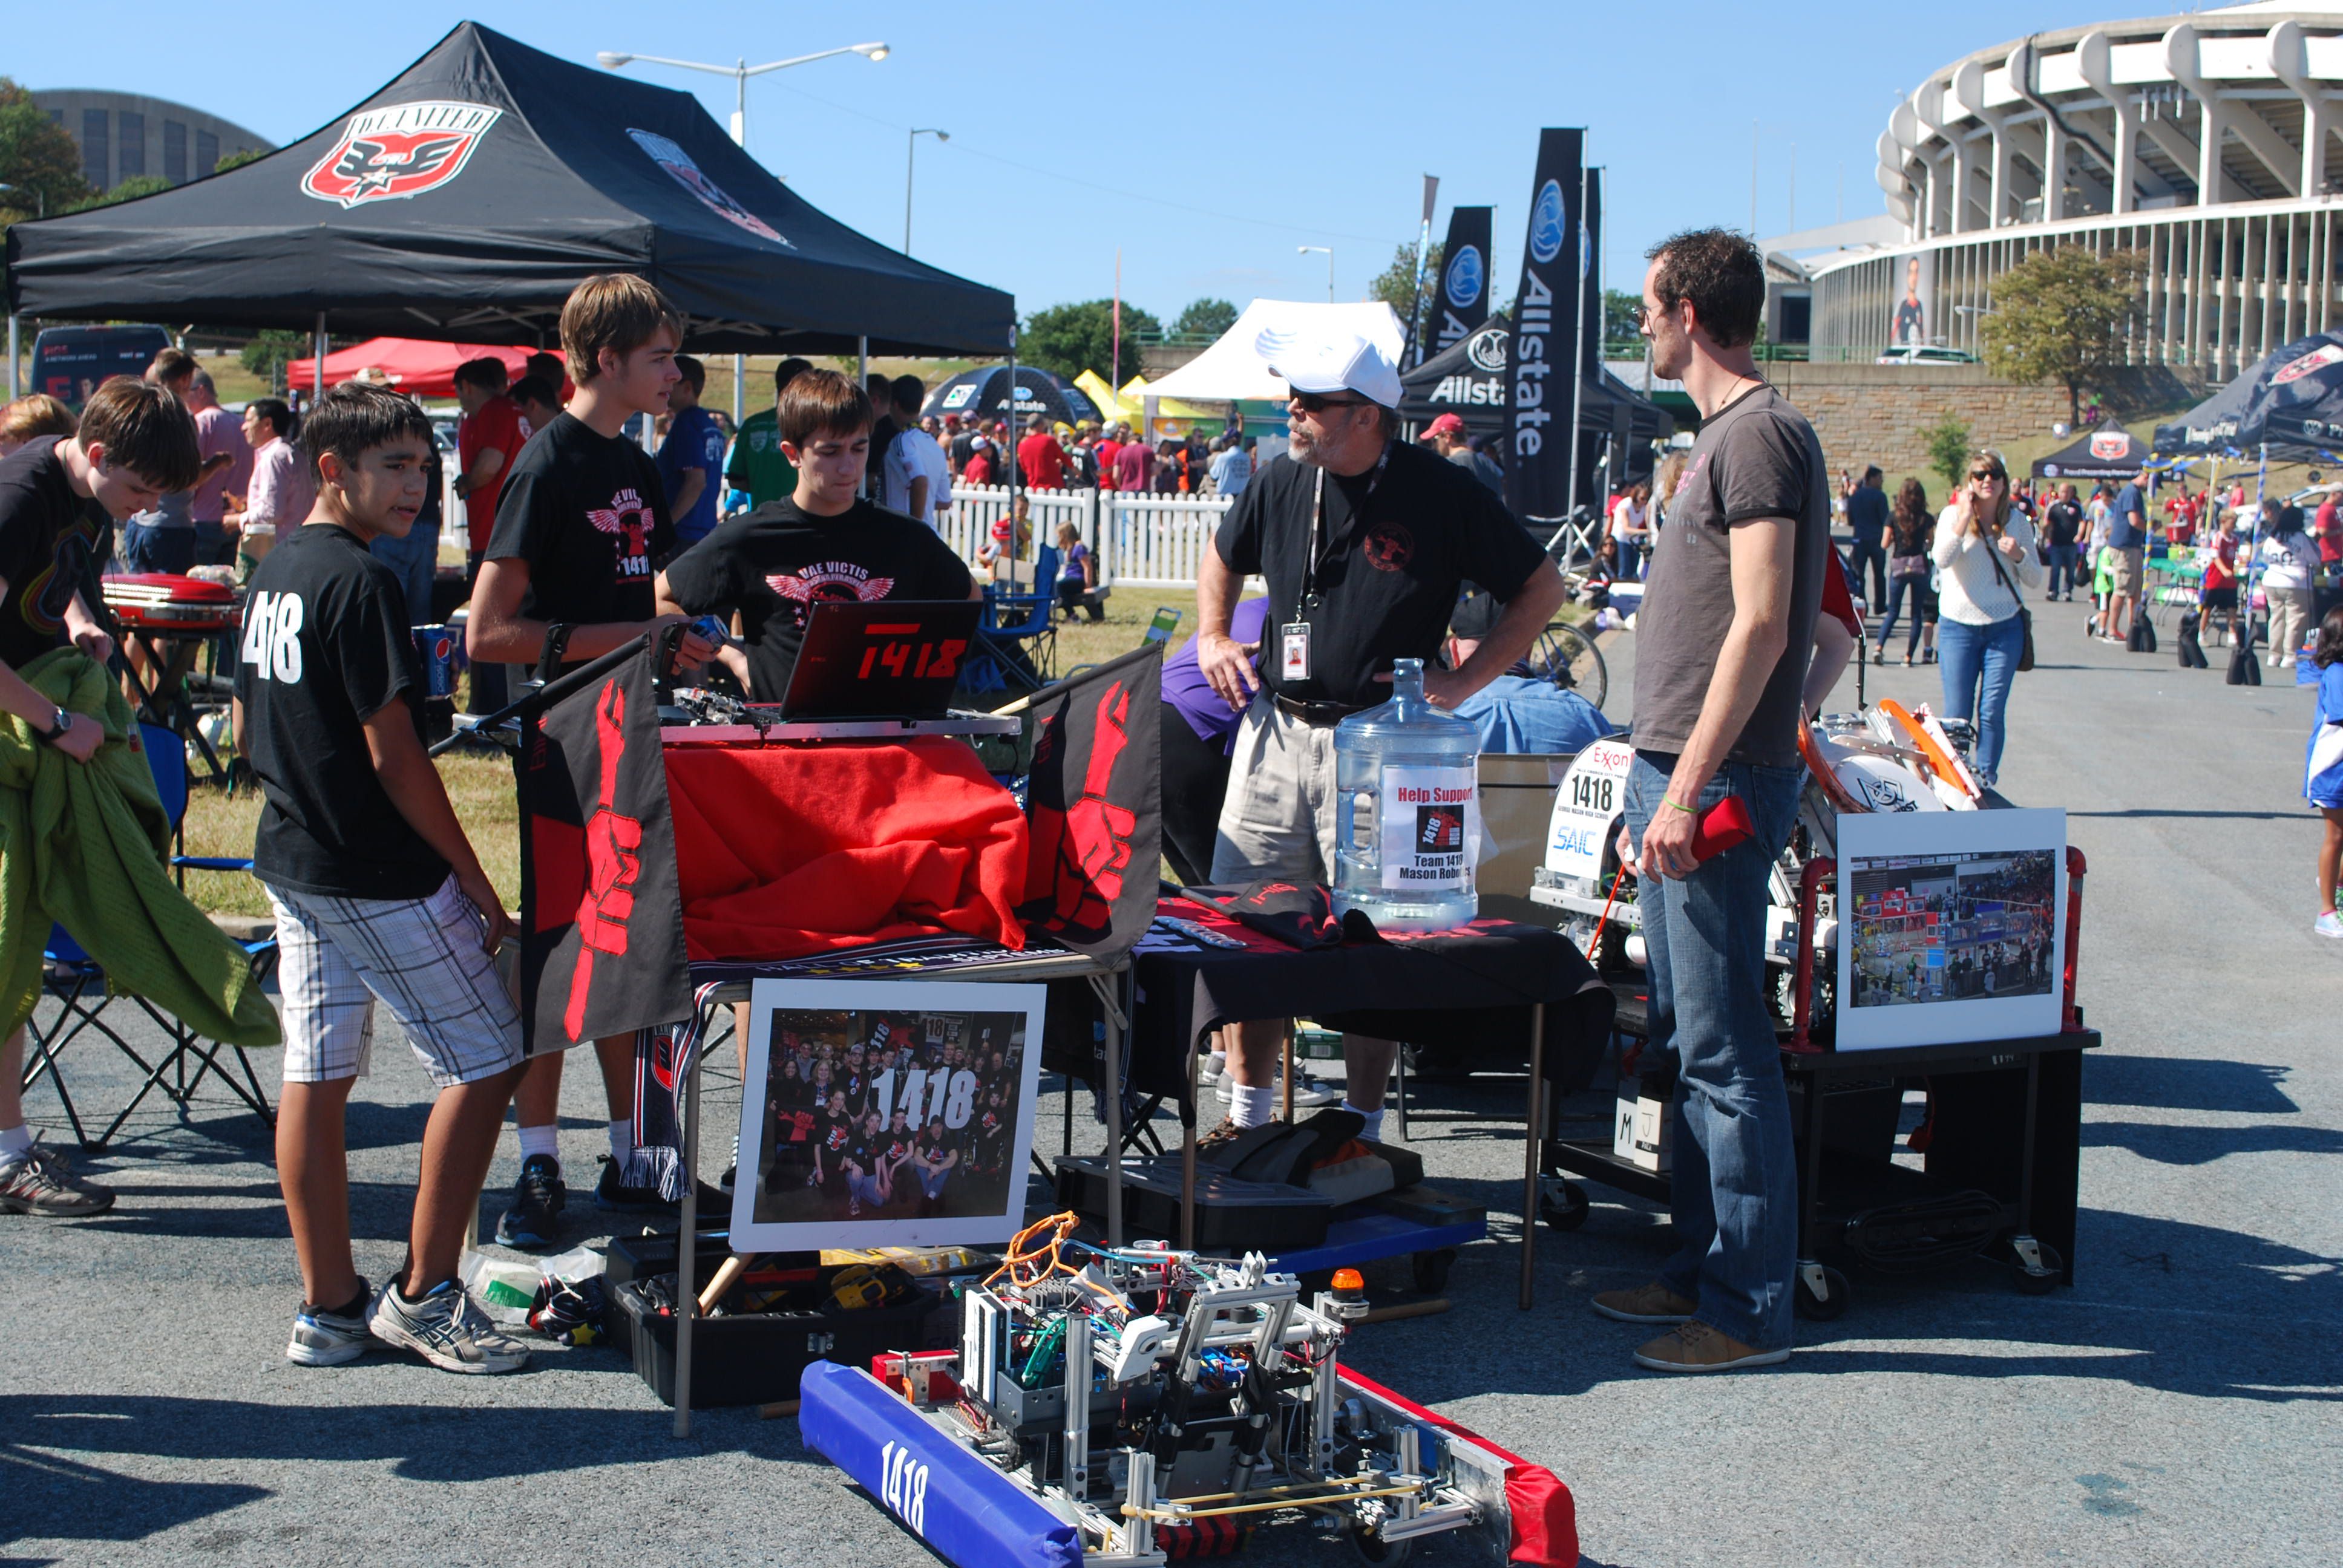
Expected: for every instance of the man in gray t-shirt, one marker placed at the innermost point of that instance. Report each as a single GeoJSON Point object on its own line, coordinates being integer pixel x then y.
{"type": "Point", "coordinates": [1721, 648]}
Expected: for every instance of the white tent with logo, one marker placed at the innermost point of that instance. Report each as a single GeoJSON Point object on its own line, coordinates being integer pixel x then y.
{"type": "Point", "coordinates": [1232, 369]}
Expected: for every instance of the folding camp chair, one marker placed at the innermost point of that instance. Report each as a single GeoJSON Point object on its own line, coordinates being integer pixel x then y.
{"type": "Point", "coordinates": [1018, 644]}
{"type": "Point", "coordinates": [78, 984]}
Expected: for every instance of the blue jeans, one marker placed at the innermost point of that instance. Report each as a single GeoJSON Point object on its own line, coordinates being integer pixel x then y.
{"type": "Point", "coordinates": [1873, 555]}
{"type": "Point", "coordinates": [1970, 653]}
{"type": "Point", "coordinates": [1920, 608]}
{"type": "Point", "coordinates": [866, 1188]}
{"type": "Point", "coordinates": [1735, 1187]}
{"type": "Point", "coordinates": [148, 549]}
{"type": "Point", "coordinates": [2063, 558]}
{"type": "Point", "coordinates": [931, 1182]}
{"type": "Point", "coordinates": [414, 560]}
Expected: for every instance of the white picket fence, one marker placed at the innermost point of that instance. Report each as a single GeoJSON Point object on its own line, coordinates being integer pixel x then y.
{"type": "Point", "coordinates": [1141, 540]}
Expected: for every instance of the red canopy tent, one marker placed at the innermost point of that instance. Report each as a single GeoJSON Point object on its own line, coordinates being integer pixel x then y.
{"type": "Point", "coordinates": [423, 369]}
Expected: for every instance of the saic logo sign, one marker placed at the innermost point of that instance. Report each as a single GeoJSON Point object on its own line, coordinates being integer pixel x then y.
{"type": "Point", "coordinates": [1465, 277]}
{"type": "Point", "coordinates": [1546, 231]}
{"type": "Point", "coordinates": [403, 150]}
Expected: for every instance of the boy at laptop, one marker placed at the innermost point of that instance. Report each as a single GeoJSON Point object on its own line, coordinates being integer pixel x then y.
{"type": "Point", "coordinates": [377, 892]}
{"type": "Point", "coordinates": [581, 520]}
{"type": "Point", "coordinates": [823, 542]}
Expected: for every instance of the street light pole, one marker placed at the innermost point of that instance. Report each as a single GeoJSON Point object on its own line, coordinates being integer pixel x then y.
{"type": "Point", "coordinates": [740, 71]}
{"type": "Point", "coordinates": [1306, 249]}
{"type": "Point", "coordinates": [911, 149]}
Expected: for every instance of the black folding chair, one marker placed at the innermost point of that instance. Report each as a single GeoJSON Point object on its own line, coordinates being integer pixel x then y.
{"type": "Point", "coordinates": [78, 984]}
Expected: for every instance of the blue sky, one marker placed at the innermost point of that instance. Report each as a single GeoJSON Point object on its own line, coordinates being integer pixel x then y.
{"type": "Point", "coordinates": [1205, 141]}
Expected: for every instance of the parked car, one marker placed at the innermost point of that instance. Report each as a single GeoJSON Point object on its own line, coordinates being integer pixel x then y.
{"type": "Point", "coordinates": [1925, 354]}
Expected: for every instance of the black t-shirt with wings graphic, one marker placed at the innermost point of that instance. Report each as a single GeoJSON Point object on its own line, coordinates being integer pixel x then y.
{"type": "Point", "coordinates": [588, 514]}
{"type": "Point", "coordinates": [775, 563]}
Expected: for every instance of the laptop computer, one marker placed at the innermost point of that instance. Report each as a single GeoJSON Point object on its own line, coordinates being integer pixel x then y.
{"type": "Point", "coordinates": [894, 658]}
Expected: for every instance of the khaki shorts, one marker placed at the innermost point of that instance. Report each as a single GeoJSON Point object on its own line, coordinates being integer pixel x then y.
{"type": "Point", "coordinates": [1278, 817]}
{"type": "Point", "coordinates": [2128, 569]}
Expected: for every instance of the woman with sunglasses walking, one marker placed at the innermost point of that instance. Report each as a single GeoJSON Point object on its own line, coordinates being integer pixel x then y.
{"type": "Point", "coordinates": [1984, 551]}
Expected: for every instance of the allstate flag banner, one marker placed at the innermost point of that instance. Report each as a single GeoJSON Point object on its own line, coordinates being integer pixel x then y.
{"type": "Point", "coordinates": [1461, 299]}
{"type": "Point", "coordinates": [601, 908]}
{"type": "Point", "coordinates": [1547, 318]}
{"type": "Point", "coordinates": [1095, 804]}
{"type": "Point", "coordinates": [1590, 282]}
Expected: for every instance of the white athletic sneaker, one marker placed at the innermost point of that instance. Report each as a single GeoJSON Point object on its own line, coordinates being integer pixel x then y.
{"type": "Point", "coordinates": [447, 1329]}
{"type": "Point", "coordinates": [2329, 925]}
{"type": "Point", "coordinates": [324, 1338]}
{"type": "Point", "coordinates": [1305, 1092]}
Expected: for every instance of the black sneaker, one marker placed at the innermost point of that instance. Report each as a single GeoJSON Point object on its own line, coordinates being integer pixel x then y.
{"type": "Point", "coordinates": [534, 1220]}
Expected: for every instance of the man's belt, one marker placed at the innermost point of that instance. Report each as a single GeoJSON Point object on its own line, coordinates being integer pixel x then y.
{"type": "Point", "coordinates": [1317, 712]}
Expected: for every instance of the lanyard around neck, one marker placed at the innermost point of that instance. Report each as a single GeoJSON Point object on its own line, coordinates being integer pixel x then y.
{"type": "Point", "coordinates": [1317, 519]}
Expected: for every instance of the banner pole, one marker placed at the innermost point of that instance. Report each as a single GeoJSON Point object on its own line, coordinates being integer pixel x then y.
{"type": "Point", "coordinates": [1578, 359]}
{"type": "Point", "coordinates": [318, 362]}
{"type": "Point", "coordinates": [15, 390]}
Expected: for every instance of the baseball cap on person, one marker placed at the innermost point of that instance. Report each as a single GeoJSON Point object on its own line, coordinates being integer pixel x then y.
{"type": "Point", "coordinates": [1446, 425]}
{"type": "Point", "coordinates": [1344, 363]}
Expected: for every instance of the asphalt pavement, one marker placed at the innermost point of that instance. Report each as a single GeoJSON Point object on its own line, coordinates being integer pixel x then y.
{"type": "Point", "coordinates": [2176, 1406]}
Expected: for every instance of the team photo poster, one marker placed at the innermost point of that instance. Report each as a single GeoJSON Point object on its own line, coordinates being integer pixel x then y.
{"type": "Point", "coordinates": [1952, 925]}
{"type": "Point", "coordinates": [885, 1114]}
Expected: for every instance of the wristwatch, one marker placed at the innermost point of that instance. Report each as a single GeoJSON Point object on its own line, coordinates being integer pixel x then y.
{"type": "Point", "coordinates": [59, 722]}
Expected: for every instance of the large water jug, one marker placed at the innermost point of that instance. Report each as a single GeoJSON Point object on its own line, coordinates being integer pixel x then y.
{"type": "Point", "coordinates": [1408, 811]}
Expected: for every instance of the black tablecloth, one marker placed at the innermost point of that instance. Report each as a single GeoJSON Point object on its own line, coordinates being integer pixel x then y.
{"type": "Point", "coordinates": [1448, 989]}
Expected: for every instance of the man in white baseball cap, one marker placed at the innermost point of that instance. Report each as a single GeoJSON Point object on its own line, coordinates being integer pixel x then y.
{"type": "Point", "coordinates": [1366, 542]}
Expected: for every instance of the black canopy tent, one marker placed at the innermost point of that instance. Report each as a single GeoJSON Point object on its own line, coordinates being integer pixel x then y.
{"type": "Point", "coordinates": [467, 197]}
{"type": "Point", "coordinates": [1468, 379]}
{"type": "Point", "coordinates": [2107, 452]}
{"type": "Point", "coordinates": [2288, 404]}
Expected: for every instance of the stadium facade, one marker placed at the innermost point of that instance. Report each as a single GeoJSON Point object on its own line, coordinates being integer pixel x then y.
{"type": "Point", "coordinates": [2210, 143]}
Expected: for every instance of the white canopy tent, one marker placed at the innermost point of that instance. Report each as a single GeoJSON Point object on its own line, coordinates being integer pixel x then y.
{"type": "Point", "coordinates": [1233, 368]}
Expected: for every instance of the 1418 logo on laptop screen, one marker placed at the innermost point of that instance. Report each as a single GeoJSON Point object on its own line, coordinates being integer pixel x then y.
{"type": "Point", "coordinates": [399, 151]}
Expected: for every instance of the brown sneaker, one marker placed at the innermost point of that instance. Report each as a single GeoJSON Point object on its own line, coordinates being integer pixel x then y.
{"type": "Point", "coordinates": [42, 1185]}
{"type": "Point", "coordinates": [1693, 1346]}
{"type": "Point", "coordinates": [1652, 1303]}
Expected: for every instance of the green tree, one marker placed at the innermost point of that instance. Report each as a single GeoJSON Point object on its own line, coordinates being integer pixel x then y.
{"type": "Point", "coordinates": [1621, 316]}
{"type": "Point", "coordinates": [237, 159]}
{"type": "Point", "coordinates": [37, 157]}
{"type": "Point", "coordinates": [1205, 318]}
{"type": "Point", "coordinates": [2055, 316]}
{"type": "Point", "coordinates": [1947, 441]}
{"type": "Point", "coordinates": [1395, 284]}
{"type": "Point", "coordinates": [1072, 338]}
{"type": "Point", "coordinates": [131, 189]}
{"type": "Point", "coordinates": [268, 355]}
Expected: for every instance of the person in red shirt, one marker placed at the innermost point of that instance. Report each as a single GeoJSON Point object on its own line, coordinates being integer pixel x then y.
{"type": "Point", "coordinates": [488, 439]}
{"type": "Point", "coordinates": [979, 470]}
{"type": "Point", "coordinates": [2220, 591]}
{"type": "Point", "coordinates": [1108, 446]}
{"type": "Point", "coordinates": [1839, 632]}
{"type": "Point", "coordinates": [1042, 460]}
{"type": "Point", "coordinates": [2327, 526]}
{"type": "Point", "coordinates": [1133, 465]}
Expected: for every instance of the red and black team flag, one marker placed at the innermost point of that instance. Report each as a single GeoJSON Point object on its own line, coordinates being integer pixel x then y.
{"type": "Point", "coordinates": [601, 909]}
{"type": "Point", "coordinates": [1095, 805]}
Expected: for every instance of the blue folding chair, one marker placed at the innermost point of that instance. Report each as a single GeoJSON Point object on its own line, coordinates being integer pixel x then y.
{"type": "Point", "coordinates": [78, 983]}
{"type": "Point", "coordinates": [1017, 645]}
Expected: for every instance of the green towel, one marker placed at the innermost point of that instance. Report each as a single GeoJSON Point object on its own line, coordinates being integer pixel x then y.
{"type": "Point", "coordinates": [85, 845]}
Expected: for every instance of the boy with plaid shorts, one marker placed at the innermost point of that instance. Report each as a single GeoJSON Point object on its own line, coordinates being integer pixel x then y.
{"type": "Point", "coordinates": [377, 894]}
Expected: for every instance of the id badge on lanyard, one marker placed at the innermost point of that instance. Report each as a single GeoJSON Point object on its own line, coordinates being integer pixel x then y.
{"type": "Point", "coordinates": [1294, 650]}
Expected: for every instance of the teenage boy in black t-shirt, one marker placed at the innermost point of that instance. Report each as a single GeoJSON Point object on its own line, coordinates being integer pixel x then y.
{"type": "Point", "coordinates": [773, 565]}
{"type": "Point", "coordinates": [377, 892]}
{"type": "Point", "coordinates": [59, 496]}
{"type": "Point", "coordinates": [581, 522]}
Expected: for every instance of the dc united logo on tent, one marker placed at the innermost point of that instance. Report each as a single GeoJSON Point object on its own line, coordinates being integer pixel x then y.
{"type": "Point", "coordinates": [1546, 224]}
{"type": "Point", "coordinates": [670, 156]}
{"type": "Point", "coordinates": [2317, 359]}
{"type": "Point", "coordinates": [1465, 277]}
{"type": "Point", "coordinates": [2109, 446]}
{"type": "Point", "coordinates": [400, 151]}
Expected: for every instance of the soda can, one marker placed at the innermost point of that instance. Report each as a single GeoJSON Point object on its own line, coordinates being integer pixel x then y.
{"type": "Point", "coordinates": [435, 647]}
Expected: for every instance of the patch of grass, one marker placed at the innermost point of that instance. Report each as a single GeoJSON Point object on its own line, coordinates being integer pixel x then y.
{"type": "Point", "coordinates": [479, 786]}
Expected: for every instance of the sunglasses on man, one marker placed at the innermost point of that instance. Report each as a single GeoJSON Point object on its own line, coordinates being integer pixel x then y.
{"type": "Point", "coordinates": [1319, 402]}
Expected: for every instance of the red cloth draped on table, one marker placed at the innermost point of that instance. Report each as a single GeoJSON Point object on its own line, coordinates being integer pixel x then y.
{"type": "Point", "coordinates": [786, 851]}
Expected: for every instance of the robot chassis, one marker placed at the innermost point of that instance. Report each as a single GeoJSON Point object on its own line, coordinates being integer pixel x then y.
{"type": "Point", "coordinates": [1157, 1402]}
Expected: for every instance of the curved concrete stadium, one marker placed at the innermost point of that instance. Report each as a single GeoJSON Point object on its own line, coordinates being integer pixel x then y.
{"type": "Point", "coordinates": [2209, 143]}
